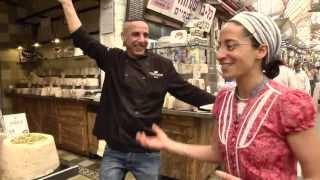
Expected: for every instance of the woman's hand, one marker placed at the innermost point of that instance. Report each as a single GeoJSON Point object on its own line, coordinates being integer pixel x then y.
{"type": "Point", "coordinates": [226, 176]}
{"type": "Point", "coordinates": [159, 141]}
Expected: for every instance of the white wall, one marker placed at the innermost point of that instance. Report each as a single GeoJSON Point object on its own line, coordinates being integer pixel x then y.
{"type": "Point", "coordinates": [114, 39]}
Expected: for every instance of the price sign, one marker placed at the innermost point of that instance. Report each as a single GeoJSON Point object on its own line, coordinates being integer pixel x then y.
{"type": "Point", "coordinates": [205, 17]}
{"type": "Point", "coordinates": [185, 10]}
{"type": "Point", "coordinates": [180, 10]}
{"type": "Point", "coordinates": [15, 124]}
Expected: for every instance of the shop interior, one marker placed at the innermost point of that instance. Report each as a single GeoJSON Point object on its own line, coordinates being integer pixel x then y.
{"type": "Point", "coordinates": [58, 87]}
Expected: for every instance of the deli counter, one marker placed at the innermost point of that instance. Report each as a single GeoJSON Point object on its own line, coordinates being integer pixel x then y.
{"type": "Point", "coordinates": [71, 122]}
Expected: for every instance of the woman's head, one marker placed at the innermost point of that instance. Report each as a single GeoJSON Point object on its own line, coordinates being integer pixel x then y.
{"type": "Point", "coordinates": [248, 42]}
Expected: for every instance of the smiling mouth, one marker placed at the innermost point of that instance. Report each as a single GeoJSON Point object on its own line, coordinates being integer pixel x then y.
{"type": "Point", "coordinates": [226, 65]}
{"type": "Point", "coordinates": [140, 48]}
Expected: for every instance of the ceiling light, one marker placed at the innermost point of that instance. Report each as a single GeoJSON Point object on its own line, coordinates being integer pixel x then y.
{"type": "Point", "coordinates": [36, 45]}
{"type": "Point", "coordinates": [56, 40]}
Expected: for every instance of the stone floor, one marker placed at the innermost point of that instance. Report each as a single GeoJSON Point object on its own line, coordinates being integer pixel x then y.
{"type": "Point", "coordinates": [88, 168]}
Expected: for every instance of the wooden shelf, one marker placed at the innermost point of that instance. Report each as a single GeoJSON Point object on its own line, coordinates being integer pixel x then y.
{"type": "Point", "coordinates": [68, 58]}
{"type": "Point", "coordinates": [27, 62]}
{"type": "Point", "coordinates": [186, 46]}
{"type": "Point", "coordinates": [82, 57]}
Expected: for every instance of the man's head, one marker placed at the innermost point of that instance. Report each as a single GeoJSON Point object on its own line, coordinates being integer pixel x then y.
{"type": "Point", "coordinates": [297, 65]}
{"type": "Point", "coordinates": [135, 36]}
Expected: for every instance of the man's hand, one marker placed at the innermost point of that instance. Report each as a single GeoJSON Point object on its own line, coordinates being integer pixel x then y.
{"type": "Point", "coordinates": [226, 176]}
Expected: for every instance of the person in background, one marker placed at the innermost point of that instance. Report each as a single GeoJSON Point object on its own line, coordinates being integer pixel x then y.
{"type": "Point", "coordinates": [312, 75]}
{"type": "Point", "coordinates": [286, 75]}
{"type": "Point", "coordinates": [302, 79]}
{"type": "Point", "coordinates": [317, 69]}
{"type": "Point", "coordinates": [132, 96]}
{"type": "Point", "coordinates": [263, 128]}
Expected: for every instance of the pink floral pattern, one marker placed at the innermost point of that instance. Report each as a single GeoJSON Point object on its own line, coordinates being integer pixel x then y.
{"type": "Point", "coordinates": [266, 154]}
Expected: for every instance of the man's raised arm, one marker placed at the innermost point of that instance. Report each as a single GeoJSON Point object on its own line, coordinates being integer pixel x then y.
{"type": "Point", "coordinates": [70, 13]}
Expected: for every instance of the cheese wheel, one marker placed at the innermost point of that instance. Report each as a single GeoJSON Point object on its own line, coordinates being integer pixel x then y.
{"type": "Point", "coordinates": [28, 156]}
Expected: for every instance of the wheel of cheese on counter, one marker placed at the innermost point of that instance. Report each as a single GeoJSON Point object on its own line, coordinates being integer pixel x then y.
{"type": "Point", "coordinates": [28, 156]}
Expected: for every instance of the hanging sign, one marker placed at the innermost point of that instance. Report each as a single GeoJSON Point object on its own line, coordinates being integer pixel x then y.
{"type": "Point", "coordinates": [180, 10]}
{"type": "Point", "coordinates": [203, 18]}
{"type": "Point", "coordinates": [185, 10]}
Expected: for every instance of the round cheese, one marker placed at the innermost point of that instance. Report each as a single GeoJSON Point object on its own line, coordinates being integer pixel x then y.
{"type": "Point", "coordinates": [28, 156]}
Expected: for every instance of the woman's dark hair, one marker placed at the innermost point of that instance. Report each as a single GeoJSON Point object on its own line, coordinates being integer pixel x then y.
{"type": "Point", "coordinates": [271, 69]}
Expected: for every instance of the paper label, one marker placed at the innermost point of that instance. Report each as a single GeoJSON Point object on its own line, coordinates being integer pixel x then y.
{"type": "Point", "coordinates": [15, 124]}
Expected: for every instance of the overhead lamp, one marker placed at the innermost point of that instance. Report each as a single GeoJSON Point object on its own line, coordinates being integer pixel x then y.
{"type": "Point", "coordinates": [36, 45]}
{"type": "Point", "coordinates": [56, 40]}
{"type": "Point", "coordinates": [20, 48]}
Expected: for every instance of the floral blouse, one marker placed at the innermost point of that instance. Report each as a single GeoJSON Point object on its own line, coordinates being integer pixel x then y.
{"type": "Point", "coordinates": [253, 144]}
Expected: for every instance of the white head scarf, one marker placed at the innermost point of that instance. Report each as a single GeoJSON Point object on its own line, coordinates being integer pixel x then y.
{"type": "Point", "coordinates": [263, 29]}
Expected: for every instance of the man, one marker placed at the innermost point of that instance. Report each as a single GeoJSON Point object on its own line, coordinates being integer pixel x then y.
{"type": "Point", "coordinates": [132, 96]}
{"type": "Point", "coordinates": [302, 79]}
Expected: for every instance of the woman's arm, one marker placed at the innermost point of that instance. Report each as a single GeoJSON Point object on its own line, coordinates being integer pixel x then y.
{"type": "Point", "coordinates": [162, 142]}
{"type": "Point", "coordinates": [306, 147]}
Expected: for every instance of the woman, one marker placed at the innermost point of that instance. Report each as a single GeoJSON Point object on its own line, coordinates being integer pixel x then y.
{"type": "Point", "coordinates": [263, 127]}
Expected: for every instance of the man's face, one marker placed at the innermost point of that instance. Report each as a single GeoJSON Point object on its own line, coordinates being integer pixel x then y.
{"type": "Point", "coordinates": [135, 38]}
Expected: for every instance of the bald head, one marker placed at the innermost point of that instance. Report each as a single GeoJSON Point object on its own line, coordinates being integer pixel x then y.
{"type": "Point", "coordinates": [133, 24]}
{"type": "Point", "coordinates": [135, 36]}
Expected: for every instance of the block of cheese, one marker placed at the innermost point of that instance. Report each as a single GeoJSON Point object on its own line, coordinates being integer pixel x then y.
{"type": "Point", "coordinates": [28, 156]}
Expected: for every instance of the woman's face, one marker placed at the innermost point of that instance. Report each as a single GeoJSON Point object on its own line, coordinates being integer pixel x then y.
{"type": "Point", "coordinates": [236, 55]}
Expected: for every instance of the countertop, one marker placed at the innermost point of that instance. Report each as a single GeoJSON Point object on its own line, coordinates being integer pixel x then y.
{"type": "Point", "coordinates": [93, 105]}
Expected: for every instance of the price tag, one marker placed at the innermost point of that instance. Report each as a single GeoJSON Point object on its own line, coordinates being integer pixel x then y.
{"type": "Point", "coordinates": [207, 12]}
{"type": "Point", "coordinates": [205, 17]}
{"type": "Point", "coordinates": [15, 124]}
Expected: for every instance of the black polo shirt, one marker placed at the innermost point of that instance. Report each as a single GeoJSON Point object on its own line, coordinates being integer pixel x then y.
{"type": "Point", "coordinates": [133, 92]}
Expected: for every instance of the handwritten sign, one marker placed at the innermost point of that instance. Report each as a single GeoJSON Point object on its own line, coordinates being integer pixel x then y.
{"type": "Point", "coordinates": [203, 18]}
{"type": "Point", "coordinates": [185, 10]}
{"type": "Point", "coordinates": [15, 124]}
{"type": "Point", "coordinates": [180, 10]}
